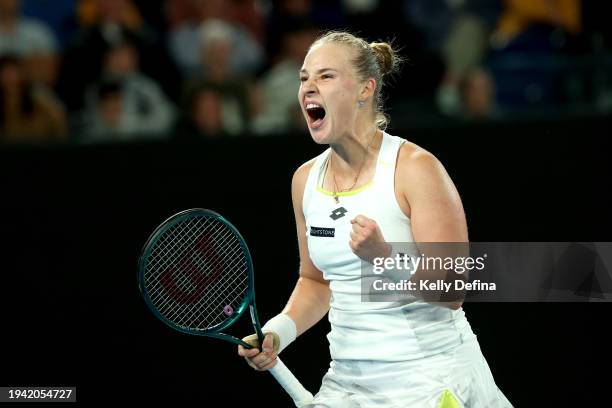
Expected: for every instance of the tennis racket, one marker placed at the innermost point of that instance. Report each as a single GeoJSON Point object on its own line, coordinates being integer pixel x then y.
{"type": "Point", "coordinates": [196, 275]}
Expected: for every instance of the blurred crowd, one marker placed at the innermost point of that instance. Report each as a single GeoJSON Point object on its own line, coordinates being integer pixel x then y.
{"type": "Point", "coordinates": [119, 70]}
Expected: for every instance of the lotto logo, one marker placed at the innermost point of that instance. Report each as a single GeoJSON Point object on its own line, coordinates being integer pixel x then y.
{"type": "Point", "coordinates": [338, 213]}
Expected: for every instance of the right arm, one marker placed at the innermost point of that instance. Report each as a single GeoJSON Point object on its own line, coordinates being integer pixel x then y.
{"type": "Point", "coordinates": [310, 298]}
{"type": "Point", "coordinates": [309, 301]}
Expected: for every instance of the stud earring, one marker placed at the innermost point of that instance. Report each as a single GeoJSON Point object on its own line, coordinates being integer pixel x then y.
{"type": "Point", "coordinates": [361, 103]}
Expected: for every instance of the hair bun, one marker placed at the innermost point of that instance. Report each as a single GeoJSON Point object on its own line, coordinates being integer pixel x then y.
{"type": "Point", "coordinates": [385, 56]}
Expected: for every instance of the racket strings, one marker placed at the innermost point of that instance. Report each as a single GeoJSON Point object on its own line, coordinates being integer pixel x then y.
{"type": "Point", "coordinates": [187, 312]}
{"type": "Point", "coordinates": [220, 298]}
{"type": "Point", "coordinates": [223, 297]}
{"type": "Point", "coordinates": [187, 251]}
{"type": "Point", "coordinates": [169, 248]}
{"type": "Point", "coordinates": [197, 273]}
{"type": "Point", "coordinates": [166, 252]}
{"type": "Point", "coordinates": [188, 269]}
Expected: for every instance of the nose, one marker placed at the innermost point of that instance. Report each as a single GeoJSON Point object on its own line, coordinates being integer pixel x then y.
{"type": "Point", "coordinates": [308, 87]}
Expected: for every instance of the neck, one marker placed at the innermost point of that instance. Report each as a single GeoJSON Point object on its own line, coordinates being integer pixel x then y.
{"type": "Point", "coordinates": [352, 150]}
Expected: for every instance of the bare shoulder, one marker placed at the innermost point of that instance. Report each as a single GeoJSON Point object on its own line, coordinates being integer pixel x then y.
{"type": "Point", "coordinates": [436, 210]}
{"type": "Point", "coordinates": [301, 173]}
{"type": "Point", "coordinates": [414, 161]}
{"type": "Point", "coordinates": [298, 182]}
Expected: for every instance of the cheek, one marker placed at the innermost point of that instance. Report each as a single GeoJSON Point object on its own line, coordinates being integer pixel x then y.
{"type": "Point", "coordinates": [344, 103]}
{"type": "Point", "coordinates": [346, 95]}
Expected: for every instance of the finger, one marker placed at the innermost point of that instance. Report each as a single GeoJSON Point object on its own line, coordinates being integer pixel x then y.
{"type": "Point", "coordinates": [271, 356]}
{"type": "Point", "coordinates": [265, 361]}
{"type": "Point", "coordinates": [270, 365]}
{"type": "Point", "coordinates": [361, 220]}
{"type": "Point", "coordinates": [251, 364]}
{"type": "Point", "coordinates": [268, 343]}
{"type": "Point", "coordinates": [242, 351]}
{"type": "Point", "coordinates": [261, 360]}
{"type": "Point", "coordinates": [361, 234]}
{"type": "Point", "coordinates": [250, 353]}
{"type": "Point", "coordinates": [366, 222]}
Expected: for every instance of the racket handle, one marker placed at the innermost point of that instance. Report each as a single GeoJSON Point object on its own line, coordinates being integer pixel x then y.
{"type": "Point", "coordinates": [300, 395]}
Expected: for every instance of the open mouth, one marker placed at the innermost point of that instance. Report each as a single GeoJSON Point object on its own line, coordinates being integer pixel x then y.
{"type": "Point", "coordinates": [316, 114]}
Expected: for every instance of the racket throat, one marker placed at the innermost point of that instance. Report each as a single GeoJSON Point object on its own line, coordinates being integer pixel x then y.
{"type": "Point", "coordinates": [256, 324]}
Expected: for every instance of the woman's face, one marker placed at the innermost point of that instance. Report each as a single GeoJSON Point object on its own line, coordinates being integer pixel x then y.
{"type": "Point", "coordinates": [122, 60]}
{"type": "Point", "coordinates": [329, 92]}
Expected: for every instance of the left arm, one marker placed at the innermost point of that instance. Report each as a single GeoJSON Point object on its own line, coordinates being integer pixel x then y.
{"type": "Point", "coordinates": [429, 198]}
{"type": "Point", "coordinates": [435, 208]}
{"type": "Point", "coordinates": [436, 214]}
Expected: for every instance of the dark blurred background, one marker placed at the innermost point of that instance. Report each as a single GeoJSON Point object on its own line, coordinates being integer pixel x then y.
{"type": "Point", "coordinates": [114, 114]}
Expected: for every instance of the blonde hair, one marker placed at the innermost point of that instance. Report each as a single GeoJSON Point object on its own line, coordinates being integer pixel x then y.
{"type": "Point", "coordinates": [372, 60]}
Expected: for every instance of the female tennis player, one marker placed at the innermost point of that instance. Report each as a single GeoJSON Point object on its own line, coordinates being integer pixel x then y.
{"type": "Point", "coordinates": [369, 188]}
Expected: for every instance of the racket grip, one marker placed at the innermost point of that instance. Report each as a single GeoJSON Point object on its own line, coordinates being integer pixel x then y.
{"type": "Point", "coordinates": [300, 395]}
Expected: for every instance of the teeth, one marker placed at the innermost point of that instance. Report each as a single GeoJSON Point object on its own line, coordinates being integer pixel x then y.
{"type": "Point", "coordinates": [312, 106]}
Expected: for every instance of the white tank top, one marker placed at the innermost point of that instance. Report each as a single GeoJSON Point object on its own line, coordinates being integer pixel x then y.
{"type": "Point", "coordinates": [384, 331]}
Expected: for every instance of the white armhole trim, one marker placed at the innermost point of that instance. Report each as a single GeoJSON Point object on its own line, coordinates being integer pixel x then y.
{"type": "Point", "coordinates": [311, 181]}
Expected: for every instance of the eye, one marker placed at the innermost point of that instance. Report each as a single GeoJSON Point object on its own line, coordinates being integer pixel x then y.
{"type": "Point", "coordinates": [327, 76]}
{"type": "Point", "coordinates": [302, 79]}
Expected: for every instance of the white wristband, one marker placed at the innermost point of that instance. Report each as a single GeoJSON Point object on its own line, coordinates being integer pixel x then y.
{"type": "Point", "coordinates": [284, 327]}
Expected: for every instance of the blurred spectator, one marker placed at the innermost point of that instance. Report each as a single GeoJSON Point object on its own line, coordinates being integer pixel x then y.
{"type": "Point", "coordinates": [142, 96]}
{"type": "Point", "coordinates": [58, 15]}
{"type": "Point", "coordinates": [29, 113]}
{"type": "Point", "coordinates": [29, 39]}
{"type": "Point", "coordinates": [216, 50]}
{"type": "Point", "coordinates": [281, 110]}
{"type": "Point", "coordinates": [287, 14]}
{"type": "Point", "coordinates": [240, 98]}
{"type": "Point", "coordinates": [203, 114]}
{"type": "Point", "coordinates": [210, 22]}
{"type": "Point", "coordinates": [478, 95]}
{"type": "Point", "coordinates": [520, 15]}
{"type": "Point", "coordinates": [361, 13]}
{"type": "Point", "coordinates": [106, 13]}
{"type": "Point", "coordinates": [463, 51]}
{"type": "Point", "coordinates": [458, 31]}
{"type": "Point", "coordinates": [106, 120]}
{"type": "Point", "coordinates": [529, 56]}
{"type": "Point", "coordinates": [128, 103]}
{"type": "Point", "coordinates": [105, 23]}
{"type": "Point", "coordinates": [360, 6]}
{"type": "Point", "coordinates": [235, 99]}
{"type": "Point", "coordinates": [245, 13]}
{"type": "Point", "coordinates": [437, 18]}
{"type": "Point", "coordinates": [597, 85]}
{"type": "Point", "coordinates": [595, 21]}
{"type": "Point", "coordinates": [154, 13]}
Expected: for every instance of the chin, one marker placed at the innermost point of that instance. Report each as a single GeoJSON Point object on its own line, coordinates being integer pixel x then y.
{"type": "Point", "coordinates": [321, 135]}
{"type": "Point", "coordinates": [318, 138]}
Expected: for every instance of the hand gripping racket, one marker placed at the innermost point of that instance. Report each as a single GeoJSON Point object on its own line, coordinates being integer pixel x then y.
{"type": "Point", "coordinates": [196, 275]}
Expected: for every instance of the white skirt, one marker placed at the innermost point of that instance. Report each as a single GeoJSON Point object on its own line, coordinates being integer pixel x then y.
{"type": "Point", "coordinates": [457, 378]}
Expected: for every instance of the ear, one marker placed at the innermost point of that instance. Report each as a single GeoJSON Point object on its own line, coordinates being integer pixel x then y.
{"type": "Point", "coordinates": [367, 91]}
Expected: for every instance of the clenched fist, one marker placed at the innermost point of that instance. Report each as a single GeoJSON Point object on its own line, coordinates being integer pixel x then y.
{"type": "Point", "coordinates": [367, 241]}
{"type": "Point", "coordinates": [260, 360]}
